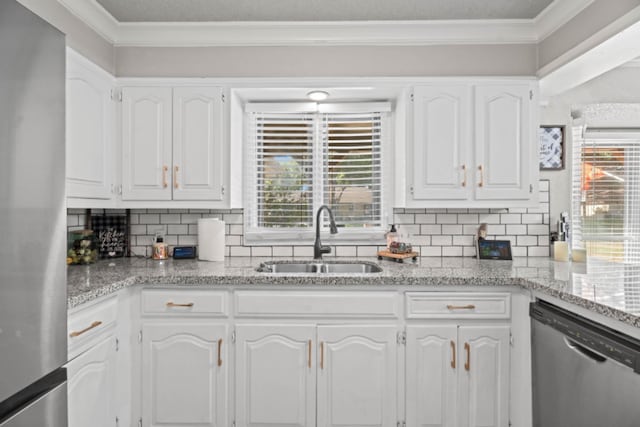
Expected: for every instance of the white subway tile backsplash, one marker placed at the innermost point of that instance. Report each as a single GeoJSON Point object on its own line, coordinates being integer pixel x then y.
{"type": "Point", "coordinates": [425, 219]}
{"type": "Point", "coordinates": [447, 218]}
{"type": "Point", "coordinates": [510, 218]}
{"type": "Point", "coordinates": [441, 240]}
{"type": "Point", "coordinates": [432, 232]}
{"type": "Point", "coordinates": [451, 229]}
{"type": "Point", "coordinates": [452, 251]}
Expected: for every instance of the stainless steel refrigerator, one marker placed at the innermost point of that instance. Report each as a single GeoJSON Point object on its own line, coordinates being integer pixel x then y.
{"type": "Point", "coordinates": [33, 315]}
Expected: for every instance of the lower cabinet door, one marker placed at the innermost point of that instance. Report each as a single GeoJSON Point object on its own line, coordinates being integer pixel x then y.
{"type": "Point", "coordinates": [91, 386]}
{"type": "Point", "coordinates": [275, 375]}
{"type": "Point", "coordinates": [357, 376]}
{"type": "Point", "coordinates": [431, 379]}
{"type": "Point", "coordinates": [184, 374]}
{"type": "Point", "coordinates": [484, 378]}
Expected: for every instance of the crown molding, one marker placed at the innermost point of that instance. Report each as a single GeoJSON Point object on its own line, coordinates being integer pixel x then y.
{"type": "Point", "coordinates": [496, 31]}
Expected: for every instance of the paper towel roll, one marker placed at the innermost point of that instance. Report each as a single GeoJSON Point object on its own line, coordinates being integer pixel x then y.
{"type": "Point", "coordinates": [210, 239]}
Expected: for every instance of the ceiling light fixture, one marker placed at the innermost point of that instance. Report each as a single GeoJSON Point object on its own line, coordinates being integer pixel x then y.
{"type": "Point", "coordinates": [318, 95]}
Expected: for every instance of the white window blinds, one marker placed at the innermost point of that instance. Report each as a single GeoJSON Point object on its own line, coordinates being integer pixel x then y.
{"type": "Point", "coordinates": [606, 194]}
{"type": "Point", "coordinates": [298, 160]}
{"type": "Point", "coordinates": [352, 163]}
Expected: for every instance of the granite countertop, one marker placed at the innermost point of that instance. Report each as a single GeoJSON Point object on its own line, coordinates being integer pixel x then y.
{"type": "Point", "coordinates": [605, 292]}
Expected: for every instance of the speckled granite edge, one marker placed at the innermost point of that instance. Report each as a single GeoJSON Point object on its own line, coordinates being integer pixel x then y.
{"type": "Point", "coordinates": [422, 276]}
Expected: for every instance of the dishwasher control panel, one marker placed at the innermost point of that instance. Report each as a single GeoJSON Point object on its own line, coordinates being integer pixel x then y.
{"type": "Point", "coordinates": [597, 338]}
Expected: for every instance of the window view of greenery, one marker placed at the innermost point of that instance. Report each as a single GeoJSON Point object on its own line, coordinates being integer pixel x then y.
{"type": "Point", "coordinates": [604, 188]}
{"type": "Point", "coordinates": [285, 174]}
{"type": "Point", "coordinates": [347, 150]}
{"type": "Point", "coordinates": [352, 171]}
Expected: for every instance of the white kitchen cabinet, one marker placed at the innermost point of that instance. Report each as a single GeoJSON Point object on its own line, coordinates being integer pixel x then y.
{"type": "Point", "coordinates": [474, 145]}
{"type": "Point", "coordinates": [442, 149]}
{"type": "Point", "coordinates": [432, 376]}
{"type": "Point", "coordinates": [504, 137]}
{"type": "Point", "coordinates": [146, 143]}
{"type": "Point", "coordinates": [275, 375]}
{"type": "Point", "coordinates": [172, 143]}
{"type": "Point", "coordinates": [357, 375]}
{"type": "Point", "coordinates": [184, 373]}
{"type": "Point", "coordinates": [484, 380]}
{"type": "Point", "coordinates": [90, 121]}
{"type": "Point", "coordinates": [197, 143]}
{"type": "Point", "coordinates": [91, 386]}
{"type": "Point", "coordinates": [457, 376]}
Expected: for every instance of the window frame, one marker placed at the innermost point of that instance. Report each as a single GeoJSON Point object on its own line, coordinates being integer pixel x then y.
{"type": "Point", "coordinates": [257, 236]}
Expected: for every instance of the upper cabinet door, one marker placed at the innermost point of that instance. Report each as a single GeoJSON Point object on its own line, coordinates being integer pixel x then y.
{"type": "Point", "coordinates": [503, 142]}
{"type": "Point", "coordinates": [146, 143]}
{"type": "Point", "coordinates": [197, 143]}
{"type": "Point", "coordinates": [357, 376]}
{"type": "Point", "coordinates": [441, 139]}
{"type": "Point", "coordinates": [89, 121]}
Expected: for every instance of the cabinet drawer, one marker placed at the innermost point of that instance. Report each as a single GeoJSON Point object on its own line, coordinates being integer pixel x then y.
{"type": "Point", "coordinates": [311, 304]}
{"type": "Point", "coordinates": [443, 305]}
{"type": "Point", "coordinates": [88, 324]}
{"type": "Point", "coordinates": [185, 302]}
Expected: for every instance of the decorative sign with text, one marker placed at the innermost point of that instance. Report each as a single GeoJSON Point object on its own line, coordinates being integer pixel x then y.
{"type": "Point", "coordinates": [111, 234]}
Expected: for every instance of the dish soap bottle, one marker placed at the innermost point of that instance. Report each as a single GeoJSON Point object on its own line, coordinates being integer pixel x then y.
{"type": "Point", "coordinates": [392, 236]}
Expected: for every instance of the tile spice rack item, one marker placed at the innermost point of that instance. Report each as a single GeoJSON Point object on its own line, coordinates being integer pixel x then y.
{"type": "Point", "coordinates": [434, 232]}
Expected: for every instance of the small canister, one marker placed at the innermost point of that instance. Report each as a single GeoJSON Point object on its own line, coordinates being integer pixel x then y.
{"type": "Point", "coordinates": [160, 248]}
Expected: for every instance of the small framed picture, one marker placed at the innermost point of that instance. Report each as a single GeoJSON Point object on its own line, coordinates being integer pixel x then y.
{"type": "Point", "coordinates": [551, 139]}
{"type": "Point", "coordinates": [494, 249]}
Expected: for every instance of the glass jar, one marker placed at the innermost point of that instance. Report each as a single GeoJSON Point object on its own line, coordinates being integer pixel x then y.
{"type": "Point", "coordinates": [83, 247]}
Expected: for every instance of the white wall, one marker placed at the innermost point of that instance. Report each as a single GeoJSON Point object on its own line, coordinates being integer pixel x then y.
{"type": "Point", "coordinates": [79, 36]}
{"type": "Point", "coordinates": [621, 85]}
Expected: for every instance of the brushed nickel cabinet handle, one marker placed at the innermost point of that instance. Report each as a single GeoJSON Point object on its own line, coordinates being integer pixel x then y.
{"type": "Point", "coordinates": [467, 365]}
{"type": "Point", "coordinates": [453, 354]}
{"type": "Point", "coordinates": [165, 169]}
{"type": "Point", "coordinates": [481, 183]}
{"type": "Point", "coordinates": [309, 361]}
{"type": "Point", "coordinates": [461, 307]}
{"type": "Point", "coordinates": [464, 170]}
{"type": "Point", "coordinates": [173, 304]}
{"type": "Point", "coordinates": [220, 352]}
{"type": "Point", "coordinates": [88, 328]}
{"type": "Point", "coordinates": [322, 355]}
{"type": "Point", "coordinates": [175, 177]}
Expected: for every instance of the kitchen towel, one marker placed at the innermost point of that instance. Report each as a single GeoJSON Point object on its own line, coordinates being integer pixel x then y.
{"type": "Point", "coordinates": [211, 234]}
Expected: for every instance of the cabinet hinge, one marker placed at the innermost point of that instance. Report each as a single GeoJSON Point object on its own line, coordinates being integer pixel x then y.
{"type": "Point", "coordinates": [530, 188]}
{"type": "Point", "coordinates": [510, 423]}
{"type": "Point", "coordinates": [117, 422]}
{"type": "Point", "coordinates": [510, 339]}
{"type": "Point", "coordinates": [401, 338]}
{"type": "Point", "coordinates": [233, 336]}
{"type": "Point", "coordinates": [222, 96]}
{"type": "Point", "coordinates": [222, 190]}
{"type": "Point", "coordinates": [531, 95]}
{"type": "Point", "coordinates": [412, 97]}
{"type": "Point", "coordinates": [401, 424]}
{"type": "Point", "coordinates": [140, 422]}
{"type": "Point", "coordinates": [117, 345]}
{"type": "Point", "coordinates": [140, 337]}
{"type": "Point", "coordinates": [116, 95]}
{"type": "Point", "coordinates": [233, 424]}
{"type": "Point", "coordinates": [411, 189]}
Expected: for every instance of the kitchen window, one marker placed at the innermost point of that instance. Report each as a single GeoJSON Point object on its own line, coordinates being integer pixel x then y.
{"type": "Point", "coordinates": [606, 194]}
{"type": "Point", "coordinates": [301, 156]}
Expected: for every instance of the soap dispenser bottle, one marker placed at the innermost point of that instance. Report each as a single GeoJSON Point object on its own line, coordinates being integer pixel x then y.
{"type": "Point", "coordinates": [392, 236]}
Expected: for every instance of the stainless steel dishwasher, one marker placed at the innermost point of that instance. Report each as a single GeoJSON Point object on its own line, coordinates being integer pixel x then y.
{"type": "Point", "coordinates": [584, 374]}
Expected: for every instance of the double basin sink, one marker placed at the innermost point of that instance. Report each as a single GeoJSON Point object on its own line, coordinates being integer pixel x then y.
{"type": "Point", "coordinates": [320, 267]}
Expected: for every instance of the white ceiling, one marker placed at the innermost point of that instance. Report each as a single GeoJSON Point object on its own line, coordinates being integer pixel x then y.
{"type": "Point", "coordinates": [319, 10]}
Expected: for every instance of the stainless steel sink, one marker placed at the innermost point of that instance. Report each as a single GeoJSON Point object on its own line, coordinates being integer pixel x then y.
{"type": "Point", "coordinates": [320, 267]}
